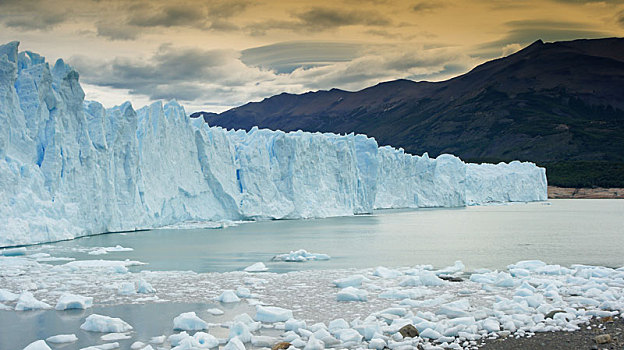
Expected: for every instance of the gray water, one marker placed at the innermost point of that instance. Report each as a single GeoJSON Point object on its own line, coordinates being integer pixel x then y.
{"type": "Point", "coordinates": [18, 329]}
{"type": "Point", "coordinates": [558, 232]}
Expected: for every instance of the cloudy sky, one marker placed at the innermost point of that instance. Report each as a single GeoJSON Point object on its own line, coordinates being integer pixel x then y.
{"type": "Point", "coordinates": [216, 54]}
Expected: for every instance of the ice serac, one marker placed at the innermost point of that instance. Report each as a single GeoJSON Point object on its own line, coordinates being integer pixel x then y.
{"type": "Point", "coordinates": [70, 167]}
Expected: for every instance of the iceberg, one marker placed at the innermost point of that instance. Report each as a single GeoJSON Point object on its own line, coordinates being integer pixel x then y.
{"type": "Point", "coordinates": [71, 168]}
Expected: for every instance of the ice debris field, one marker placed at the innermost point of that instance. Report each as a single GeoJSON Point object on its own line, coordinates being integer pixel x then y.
{"type": "Point", "coordinates": [70, 167]}
{"type": "Point", "coordinates": [448, 308]}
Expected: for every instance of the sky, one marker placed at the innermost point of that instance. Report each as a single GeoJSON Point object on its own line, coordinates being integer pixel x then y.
{"type": "Point", "coordinates": [217, 54]}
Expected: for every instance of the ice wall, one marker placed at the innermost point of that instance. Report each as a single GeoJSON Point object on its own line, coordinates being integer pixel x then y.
{"type": "Point", "coordinates": [70, 168]}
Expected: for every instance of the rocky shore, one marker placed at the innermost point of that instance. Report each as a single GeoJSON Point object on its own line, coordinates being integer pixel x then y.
{"type": "Point", "coordinates": [600, 333]}
{"type": "Point", "coordinates": [585, 193]}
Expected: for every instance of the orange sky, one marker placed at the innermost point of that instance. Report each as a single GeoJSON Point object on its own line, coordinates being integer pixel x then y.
{"type": "Point", "coordinates": [212, 55]}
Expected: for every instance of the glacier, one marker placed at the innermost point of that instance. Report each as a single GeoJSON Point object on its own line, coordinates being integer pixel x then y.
{"type": "Point", "coordinates": [70, 167]}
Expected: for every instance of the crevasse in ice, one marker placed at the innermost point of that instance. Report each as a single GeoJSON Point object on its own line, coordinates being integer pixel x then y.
{"type": "Point", "coordinates": [70, 167]}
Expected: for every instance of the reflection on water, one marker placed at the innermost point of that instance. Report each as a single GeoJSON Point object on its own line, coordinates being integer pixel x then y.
{"type": "Point", "coordinates": [560, 232]}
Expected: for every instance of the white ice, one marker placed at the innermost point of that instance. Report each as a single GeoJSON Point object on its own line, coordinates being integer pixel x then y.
{"type": "Point", "coordinates": [71, 168]}
{"type": "Point", "coordinates": [73, 301]}
{"type": "Point", "coordinates": [189, 321]}
{"type": "Point", "coordinates": [271, 314]}
{"type": "Point", "coordinates": [37, 345]}
{"type": "Point", "coordinates": [256, 267]}
{"type": "Point", "coordinates": [300, 255]}
{"type": "Point", "coordinates": [27, 301]}
{"type": "Point", "coordinates": [62, 338]}
{"type": "Point", "coordinates": [105, 324]}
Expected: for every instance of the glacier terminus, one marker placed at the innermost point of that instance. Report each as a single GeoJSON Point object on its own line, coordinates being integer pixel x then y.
{"type": "Point", "coordinates": [70, 167]}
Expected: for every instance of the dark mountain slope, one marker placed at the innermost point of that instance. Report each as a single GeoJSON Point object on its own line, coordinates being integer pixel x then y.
{"type": "Point", "coordinates": [556, 104]}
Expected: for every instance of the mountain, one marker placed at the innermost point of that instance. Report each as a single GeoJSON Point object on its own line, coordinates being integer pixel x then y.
{"type": "Point", "coordinates": [558, 104]}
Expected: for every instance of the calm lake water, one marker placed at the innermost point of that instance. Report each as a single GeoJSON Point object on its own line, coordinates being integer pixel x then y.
{"type": "Point", "coordinates": [558, 232]}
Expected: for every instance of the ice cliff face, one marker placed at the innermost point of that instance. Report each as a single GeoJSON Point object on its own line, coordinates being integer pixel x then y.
{"type": "Point", "coordinates": [70, 168]}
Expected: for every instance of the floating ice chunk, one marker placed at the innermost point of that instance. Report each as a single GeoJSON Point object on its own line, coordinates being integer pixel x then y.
{"type": "Point", "coordinates": [205, 340]}
{"type": "Point", "coordinates": [385, 272]}
{"type": "Point", "coordinates": [62, 338]}
{"type": "Point", "coordinates": [105, 324]}
{"type": "Point", "coordinates": [430, 279]}
{"type": "Point", "coordinates": [175, 339]}
{"type": "Point", "coordinates": [215, 311]}
{"type": "Point", "coordinates": [228, 296]}
{"type": "Point", "coordinates": [449, 270]}
{"type": "Point", "coordinates": [314, 344]}
{"type": "Point", "coordinates": [530, 265]}
{"type": "Point", "coordinates": [115, 336]}
{"type": "Point", "coordinates": [272, 314]}
{"type": "Point", "coordinates": [234, 344]}
{"type": "Point", "coordinates": [27, 301]}
{"type": "Point", "coordinates": [411, 281]}
{"type": "Point", "coordinates": [504, 279]}
{"type": "Point", "coordinates": [349, 335]}
{"type": "Point", "coordinates": [300, 255]}
{"type": "Point", "coordinates": [351, 281]}
{"type": "Point", "coordinates": [243, 292]}
{"type": "Point", "coordinates": [257, 267]}
{"type": "Point", "coordinates": [294, 325]}
{"type": "Point", "coordinates": [189, 321]}
{"type": "Point", "coordinates": [491, 325]}
{"type": "Point", "coordinates": [115, 266]}
{"type": "Point", "coordinates": [263, 341]}
{"type": "Point", "coordinates": [6, 295]}
{"type": "Point", "coordinates": [106, 250]}
{"type": "Point", "coordinates": [377, 343]}
{"type": "Point", "coordinates": [143, 287]}
{"type": "Point", "coordinates": [137, 345]}
{"type": "Point", "coordinates": [430, 334]}
{"type": "Point", "coordinates": [126, 288]}
{"type": "Point", "coordinates": [337, 324]}
{"type": "Point", "coordinates": [241, 331]}
{"type": "Point", "coordinates": [14, 251]}
{"type": "Point", "coordinates": [73, 301]}
{"type": "Point", "coordinates": [352, 294]}
{"type": "Point", "coordinates": [37, 345]}
{"type": "Point", "coordinates": [108, 346]}
{"type": "Point", "coordinates": [158, 339]}
{"type": "Point", "coordinates": [519, 272]}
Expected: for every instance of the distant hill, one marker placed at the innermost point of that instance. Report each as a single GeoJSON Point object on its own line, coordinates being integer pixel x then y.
{"type": "Point", "coordinates": [559, 104]}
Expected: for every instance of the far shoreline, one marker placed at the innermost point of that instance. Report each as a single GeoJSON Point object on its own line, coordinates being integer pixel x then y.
{"type": "Point", "coordinates": [555, 192]}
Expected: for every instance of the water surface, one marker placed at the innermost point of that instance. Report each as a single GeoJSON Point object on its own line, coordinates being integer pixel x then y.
{"type": "Point", "coordinates": [558, 232]}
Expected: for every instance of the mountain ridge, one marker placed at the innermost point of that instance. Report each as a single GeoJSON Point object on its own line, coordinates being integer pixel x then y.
{"type": "Point", "coordinates": [547, 103]}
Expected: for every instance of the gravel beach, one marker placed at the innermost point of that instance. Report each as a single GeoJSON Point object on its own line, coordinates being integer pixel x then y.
{"type": "Point", "coordinates": [605, 333]}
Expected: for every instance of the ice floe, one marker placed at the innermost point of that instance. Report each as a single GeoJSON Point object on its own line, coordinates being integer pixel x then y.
{"type": "Point", "coordinates": [189, 321]}
{"type": "Point", "coordinates": [300, 255]}
{"type": "Point", "coordinates": [105, 324]}
{"type": "Point", "coordinates": [62, 338]}
{"type": "Point", "coordinates": [73, 301]}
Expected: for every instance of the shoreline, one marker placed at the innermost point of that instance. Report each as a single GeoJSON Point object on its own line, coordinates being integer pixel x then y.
{"type": "Point", "coordinates": [555, 192]}
{"type": "Point", "coordinates": [592, 335]}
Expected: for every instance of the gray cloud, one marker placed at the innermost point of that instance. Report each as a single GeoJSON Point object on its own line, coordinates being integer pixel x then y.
{"type": "Point", "coordinates": [228, 78]}
{"type": "Point", "coordinates": [168, 15]}
{"type": "Point", "coordinates": [527, 31]}
{"type": "Point", "coordinates": [117, 31]}
{"type": "Point", "coordinates": [32, 14]}
{"type": "Point", "coordinates": [620, 18]}
{"type": "Point", "coordinates": [325, 18]}
{"type": "Point", "coordinates": [425, 6]}
{"type": "Point", "coordinates": [318, 19]}
{"type": "Point", "coordinates": [286, 57]}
